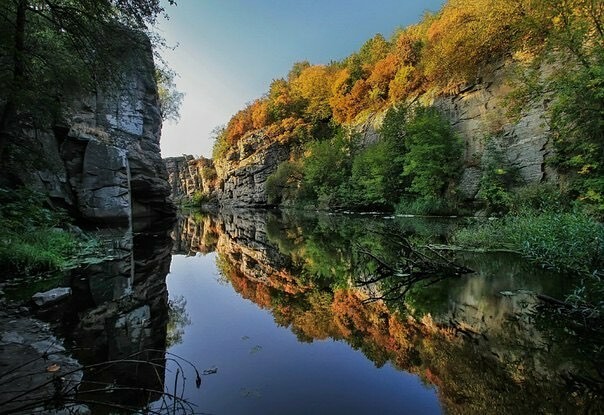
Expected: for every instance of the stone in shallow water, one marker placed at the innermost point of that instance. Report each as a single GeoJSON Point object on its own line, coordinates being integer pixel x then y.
{"type": "Point", "coordinates": [50, 297]}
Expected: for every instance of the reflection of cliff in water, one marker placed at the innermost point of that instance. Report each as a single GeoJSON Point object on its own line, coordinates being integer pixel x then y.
{"type": "Point", "coordinates": [121, 313]}
{"type": "Point", "coordinates": [482, 339]}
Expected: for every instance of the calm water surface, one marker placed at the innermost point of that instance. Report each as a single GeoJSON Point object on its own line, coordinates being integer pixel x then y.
{"type": "Point", "coordinates": [326, 314]}
{"type": "Point", "coordinates": [263, 368]}
{"type": "Point", "coordinates": [304, 315]}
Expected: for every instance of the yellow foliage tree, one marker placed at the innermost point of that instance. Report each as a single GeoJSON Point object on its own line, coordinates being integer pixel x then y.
{"type": "Point", "coordinates": [467, 37]}
{"type": "Point", "coordinates": [382, 75]}
{"type": "Point", "coordinates": [260, 117]}
{"type": "Point", "coordinates": [314, 84]}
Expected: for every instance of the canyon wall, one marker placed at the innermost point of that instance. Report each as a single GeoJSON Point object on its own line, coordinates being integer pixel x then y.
{"type": "Point", "coordinates": [102, 162]}
{"type": "Point", "coordinates": [477, 113]}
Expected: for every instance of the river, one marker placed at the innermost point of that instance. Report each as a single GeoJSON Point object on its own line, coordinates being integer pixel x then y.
{"type": "Point", "coordinates": [257, 312]}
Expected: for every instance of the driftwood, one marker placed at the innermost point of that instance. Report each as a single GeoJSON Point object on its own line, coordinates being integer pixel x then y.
{"type": "Point", "coordinates": [413, 266]}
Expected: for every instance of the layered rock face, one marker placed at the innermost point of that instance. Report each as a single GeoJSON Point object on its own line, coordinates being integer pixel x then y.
{"type": "Point", "coordinates": [242, 174]}
{"type": "Point", "coordinates": [237, 180]}
{"type": "Point", "coordinates": [479, 115]}
{"type": "Point", "coordinates": [104, 162]}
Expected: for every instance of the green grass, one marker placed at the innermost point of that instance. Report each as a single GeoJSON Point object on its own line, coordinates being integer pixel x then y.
{"type": "Point", "coordinates": [37, 250]}
{"type": "Point", "coordinates": [563, 241]}
{"type": "Point", "coordinates": [32, 238]}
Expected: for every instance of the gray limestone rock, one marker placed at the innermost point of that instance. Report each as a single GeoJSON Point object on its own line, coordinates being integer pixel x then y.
{"type": "Point", "coordinates": [44, 299]}
{"type": "Point", "coordinates": [103, 162]}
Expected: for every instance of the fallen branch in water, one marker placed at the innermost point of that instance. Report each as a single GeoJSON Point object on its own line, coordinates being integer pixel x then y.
{"type": "Point", "coordinates": [412, 267]}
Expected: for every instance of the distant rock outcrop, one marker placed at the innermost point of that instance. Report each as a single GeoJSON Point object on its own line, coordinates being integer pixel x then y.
{"type": "Point", "coordinates": [188, 176]}
{"type": "Point", "coordinates": [237, 180]}
{"type": "Point", "coordinates": [103, 161]}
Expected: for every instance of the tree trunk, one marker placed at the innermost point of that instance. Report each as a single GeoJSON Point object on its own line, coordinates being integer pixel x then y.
{"type": "Point", "coordinates": [9, 111]}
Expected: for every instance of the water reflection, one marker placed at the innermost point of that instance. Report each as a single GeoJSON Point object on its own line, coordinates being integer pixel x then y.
{"type": "Point", "coordinates": [483, 340]}
{"type": "Point", "coordinates": [119, 314]}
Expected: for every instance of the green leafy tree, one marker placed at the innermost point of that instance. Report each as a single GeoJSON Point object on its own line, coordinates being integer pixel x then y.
{"type": "Point", "coordinates": [433, 158]}
{"type": "Point", "coordinates": [284, 184]}
{"type": "Point", "coordinates": [377, 171]}
{"type": "Point", "coordinates": [170, 99]}
{"type": "Point", "coordinates": [327, 169]}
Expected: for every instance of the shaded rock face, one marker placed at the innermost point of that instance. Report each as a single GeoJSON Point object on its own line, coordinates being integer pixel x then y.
{"type": "Point", "coordinates": [103, 163]}
{"type": "Point", "coordinates": [119, 311]}
{"type": "Point", "coordinates": [479, 115]}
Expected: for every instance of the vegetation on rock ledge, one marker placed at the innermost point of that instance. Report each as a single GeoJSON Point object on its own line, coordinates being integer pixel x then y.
{"type": "Point", "coordinates": [554, 48]}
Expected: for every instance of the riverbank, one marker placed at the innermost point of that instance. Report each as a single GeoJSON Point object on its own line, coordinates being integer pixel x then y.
{"type": "Point", "coordinates": [37, 373]}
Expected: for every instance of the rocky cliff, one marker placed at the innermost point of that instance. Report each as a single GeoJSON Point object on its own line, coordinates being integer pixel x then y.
{"type": "Point", "coordinates": [237, 180]}
{"type": "Point", "coordinates": [188, 176]}
{"type": "Point", "coordinates": [102, 162]}
{"type": "Point", "coordinates": [476, 112]}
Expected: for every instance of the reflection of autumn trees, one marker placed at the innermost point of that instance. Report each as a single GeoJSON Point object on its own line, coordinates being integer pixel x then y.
{"type": "Point", "coordinates": [469, 378]}
{"type": "Point", "coordinates": [301, 270]}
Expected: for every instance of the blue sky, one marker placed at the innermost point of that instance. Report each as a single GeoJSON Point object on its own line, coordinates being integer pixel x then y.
{"type": "Point", "coordinates": [229, 51]}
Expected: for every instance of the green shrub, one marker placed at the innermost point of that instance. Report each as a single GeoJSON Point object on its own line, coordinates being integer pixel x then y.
{"type": "Point", "coordinates": [498, 176]}
{"type": "Point", "coordinates": [197, 199]}
{"type": "Point", "coordinates": [538, 197]}
{"type": "Point", "coordinates": [208, 173]}
{"type": "Point", "coordinates": [283, 184]}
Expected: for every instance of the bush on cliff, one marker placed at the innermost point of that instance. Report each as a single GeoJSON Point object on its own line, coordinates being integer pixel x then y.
{"type": "Point", "coordinates": [416, 158]}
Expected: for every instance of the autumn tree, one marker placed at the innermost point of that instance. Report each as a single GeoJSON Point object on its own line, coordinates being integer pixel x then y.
{"type": "Point", "coordinates": [260, 114]}
{"type": "Point", "coordinates": [238, 125]}
{"type": "Point", "coordinates": [409, 77]}
{"type": "Point", "coordinates": [467, 38]}
{"type": "Point", "coordinates": [313, 84]}
{"type": "Point", "coordinates": [373, 50]}
{"type": "Point", "coordinates": [383, 73]}
{"type": "Point", "coordinates": [282, 100]}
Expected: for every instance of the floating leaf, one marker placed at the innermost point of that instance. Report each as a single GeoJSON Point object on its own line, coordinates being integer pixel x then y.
{"type": "Point", "coordinates": [53, 368]}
